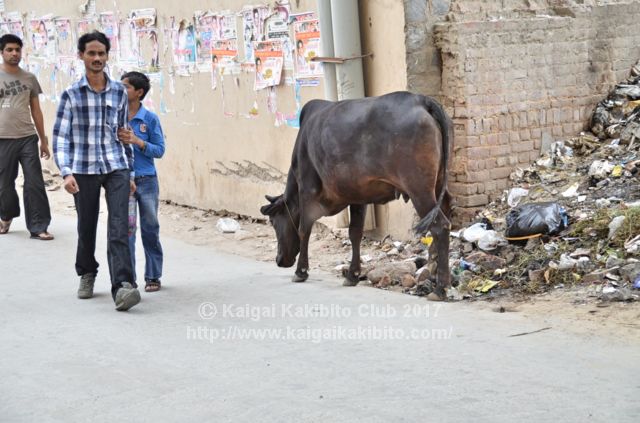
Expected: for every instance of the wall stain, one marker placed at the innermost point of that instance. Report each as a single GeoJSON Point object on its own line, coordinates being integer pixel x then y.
{"type": "Point", "coordinates": [250, 170]}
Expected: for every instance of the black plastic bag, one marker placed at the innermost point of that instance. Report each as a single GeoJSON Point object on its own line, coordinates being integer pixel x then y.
{"type": "Point", "coordinates": [536, 218]}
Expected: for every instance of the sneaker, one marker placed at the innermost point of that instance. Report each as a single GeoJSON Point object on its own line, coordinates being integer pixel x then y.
{"type": "Point", "coordinates": [126, 297]}
{"type": "Point", "coordinates": [85, 290]}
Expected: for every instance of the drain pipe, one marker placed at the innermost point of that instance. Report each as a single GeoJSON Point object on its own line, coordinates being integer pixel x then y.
{"type": "Point", "coordinates": [346, 43]}
{"type": "Point", "coordinates": [343, 76]}
{"type": "Point", "coordinates": [326, 50]}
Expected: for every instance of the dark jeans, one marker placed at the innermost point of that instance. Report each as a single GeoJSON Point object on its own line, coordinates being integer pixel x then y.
{"type": "Point", "coordinates": [146, 197]}
{"type": "Point", "coordinates": [23, 151]}
{"type": "Point", "coordinates": [116, 187]}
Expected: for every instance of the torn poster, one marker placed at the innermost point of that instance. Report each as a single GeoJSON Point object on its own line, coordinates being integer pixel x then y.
{"type": "Point", "coordinates": [278, 29]}
{"type": "Point", "coordinates": [85, 25]}
{"type": "Point", "coordinates": [129, 46]}
{"type": "Point", "coordinates": [109, 25]}
{"type": "Point", "coordinates": [205, 24]}
{"type": "Point", "coordinates": [259, 13]}
{"type": "Point", "coordinates": [43, 37]}
{"type": "Point", "coordinates": [247, 34]}
{"type": "Point", "coordinates": [148, 59]}
{"type": "Point", "coordinates": [65, 43]}
{"type": "Point", "coordinates": [269, 63]}
{"type": "Point", "coordinates": [16, 28]}
{"type": "Point", "coordinates": [185, 48]}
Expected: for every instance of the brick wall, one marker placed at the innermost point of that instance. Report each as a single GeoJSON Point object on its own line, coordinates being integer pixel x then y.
{"type": "Point", "coordinates": [518, 75]}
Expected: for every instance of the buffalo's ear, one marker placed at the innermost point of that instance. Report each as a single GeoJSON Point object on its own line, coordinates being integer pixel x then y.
{"type": "Point", "coordinates": [274, 206]}
{"type": "Point", "coordinates": [271, 198]}
{"type": "Point", "coordinates": [265, 210]}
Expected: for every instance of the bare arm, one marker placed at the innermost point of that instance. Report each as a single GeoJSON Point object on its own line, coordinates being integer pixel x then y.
{"type": "Point", "coordinates": [38, 120]}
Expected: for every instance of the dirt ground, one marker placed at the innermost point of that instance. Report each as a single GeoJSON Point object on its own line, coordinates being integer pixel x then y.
{"type": "Point", "coordinates": [571, 308]}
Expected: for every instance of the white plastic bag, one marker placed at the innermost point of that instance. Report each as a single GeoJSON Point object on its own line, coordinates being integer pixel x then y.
{"type": "Point", "coordinates": [490, 241]}
{"type": "Point", "coordinates": [474, 232]}
{"type": "Point", "coordinates": [227, 225]}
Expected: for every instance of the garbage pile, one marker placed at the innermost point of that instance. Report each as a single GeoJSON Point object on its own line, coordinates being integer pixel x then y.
{"type": "Point", "coordinates": [571, 219]}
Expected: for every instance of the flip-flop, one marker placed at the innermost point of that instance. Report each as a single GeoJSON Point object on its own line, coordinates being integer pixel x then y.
{"type": "Point", "coordinates": [152, 287]}
{"type": "Point", "coordinates": [42, 236]}
{"type": "Point", "coordinates": [4, 226]}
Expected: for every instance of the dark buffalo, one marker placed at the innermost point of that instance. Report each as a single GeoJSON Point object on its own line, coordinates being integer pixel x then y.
{"type": "Point", "coordinates": [370, 150]}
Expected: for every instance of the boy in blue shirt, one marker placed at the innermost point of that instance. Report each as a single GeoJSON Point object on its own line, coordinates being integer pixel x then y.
{"type": "Point", "coordinates": [146, 137]}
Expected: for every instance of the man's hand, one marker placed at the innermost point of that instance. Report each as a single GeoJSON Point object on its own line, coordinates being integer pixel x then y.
{"type": "Point", "coordinates": [132, 187]}
{"type": "Point", "coordinates": [126, 136]}
{"type": "Point", "coordinates": [44, 148]}
{"type": "Point", "coordinates": [70, 184]}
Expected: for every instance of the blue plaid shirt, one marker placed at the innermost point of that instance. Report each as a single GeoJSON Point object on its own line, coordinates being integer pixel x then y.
{"type": "Point", "coordinates": [85, 139]}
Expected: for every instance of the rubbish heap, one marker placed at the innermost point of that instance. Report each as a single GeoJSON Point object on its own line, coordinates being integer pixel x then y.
{"type": "Point", "coordinates": [571, 219]}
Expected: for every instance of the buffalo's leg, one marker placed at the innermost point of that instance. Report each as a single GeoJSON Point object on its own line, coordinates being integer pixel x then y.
{"type": "Point", "coordinates": [356, 226]}
{"type": "Point", "coordinates": [304, 231]}
{"type": "Point", "coordinates": [440, 231]}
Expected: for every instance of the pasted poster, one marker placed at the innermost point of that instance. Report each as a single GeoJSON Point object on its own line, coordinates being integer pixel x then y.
{"type": "Point", "coordinates": [224, 57]}
{"type": "Point", "coordinates": [228, 26]}
{"type": "Point", "coordinates": [109, 25]}
{"type": "Point", "coordinates": [143, 18]}
{"type": "Point", "coordinates": [269, 63]}
{"type": "Point", "coordinates": [206, 22]}
{"type": "Point", "coordinates": [65, 42]}
{"type": "Point", "coordinates": [307, 36]}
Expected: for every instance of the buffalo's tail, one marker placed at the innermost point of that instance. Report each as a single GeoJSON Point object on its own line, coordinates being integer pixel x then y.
{"type": "Point", "coordinates": [436, 110]}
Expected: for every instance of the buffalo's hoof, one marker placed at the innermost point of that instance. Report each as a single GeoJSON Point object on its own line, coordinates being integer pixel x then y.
{"type": "Point", "coordinates": [438, 294]}
{"type": "Point", "coordinates": [300, 277]}
{"type": "Point", "coordinates": [350, 282]}
{"type": "Point", "coordinates": [435, 297]}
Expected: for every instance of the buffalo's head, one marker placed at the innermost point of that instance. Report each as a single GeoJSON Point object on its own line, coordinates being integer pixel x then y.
{"type": "Point", "coordinates": [284, 218]}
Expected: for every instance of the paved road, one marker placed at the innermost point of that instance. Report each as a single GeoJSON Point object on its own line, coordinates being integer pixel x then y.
{"type": "Point", "coordinates": [314, 352]}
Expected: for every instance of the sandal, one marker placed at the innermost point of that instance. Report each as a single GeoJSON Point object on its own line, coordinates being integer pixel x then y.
{"type": "Point", "coordinates": [152, 286]}
{"type": "Point", "coordinates": [42, 236]}
{"type": "Point", "coordinates": [4, 226]}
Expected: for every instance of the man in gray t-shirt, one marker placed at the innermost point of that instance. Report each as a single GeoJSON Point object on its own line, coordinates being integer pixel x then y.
{"type": "Point", "coordinates": [19, 136]}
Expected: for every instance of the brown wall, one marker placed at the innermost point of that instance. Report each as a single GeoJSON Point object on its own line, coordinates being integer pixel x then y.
{"type": "Point", "coordinates": [519, 77]}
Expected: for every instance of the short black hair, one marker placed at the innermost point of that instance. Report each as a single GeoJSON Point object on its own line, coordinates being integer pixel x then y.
{"type": "Point", "coordinates": [9, 39]}
{"type": "Point", "coordinates": [139, 81]}
{"type": "Point", "coordinates": [93, 36]}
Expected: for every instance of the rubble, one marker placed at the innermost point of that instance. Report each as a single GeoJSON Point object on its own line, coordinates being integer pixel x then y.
{"type": "Point", "coordinates": [572, 219]}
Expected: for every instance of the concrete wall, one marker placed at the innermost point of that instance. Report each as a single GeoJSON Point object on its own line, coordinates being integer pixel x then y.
{"type": "Point", "coordinates": [220, 153]}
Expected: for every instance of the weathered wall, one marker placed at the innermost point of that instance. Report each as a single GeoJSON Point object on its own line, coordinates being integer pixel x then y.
{"type": "Point", "coordinates": [382, 24]}
{"type": "Point", "coordinates": [518, 75]}
{"type": "Point", "coordinates": [220, 153]}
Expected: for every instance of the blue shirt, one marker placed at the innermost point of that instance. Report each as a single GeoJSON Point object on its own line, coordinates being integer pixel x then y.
{"type": "Point", "coordinates": [146, 126]}
{"type": "Point", "coordinates": [85, 139]}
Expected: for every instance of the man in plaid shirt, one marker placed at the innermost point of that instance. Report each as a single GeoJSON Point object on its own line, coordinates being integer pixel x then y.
{"type": "Point", "coordinates": [90, 156]}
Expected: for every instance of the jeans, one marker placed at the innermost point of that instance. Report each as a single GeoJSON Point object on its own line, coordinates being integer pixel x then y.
{"type": "Point", "coordinates": [23, 151]}
{"type": "Point", "coordinates": [87, 200]}
{"type": "Point", "coordinates": [146, 197]}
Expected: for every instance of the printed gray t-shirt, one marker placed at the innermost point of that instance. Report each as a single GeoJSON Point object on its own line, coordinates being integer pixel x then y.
{"type": "Point", "coordinates": [16, 91]}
